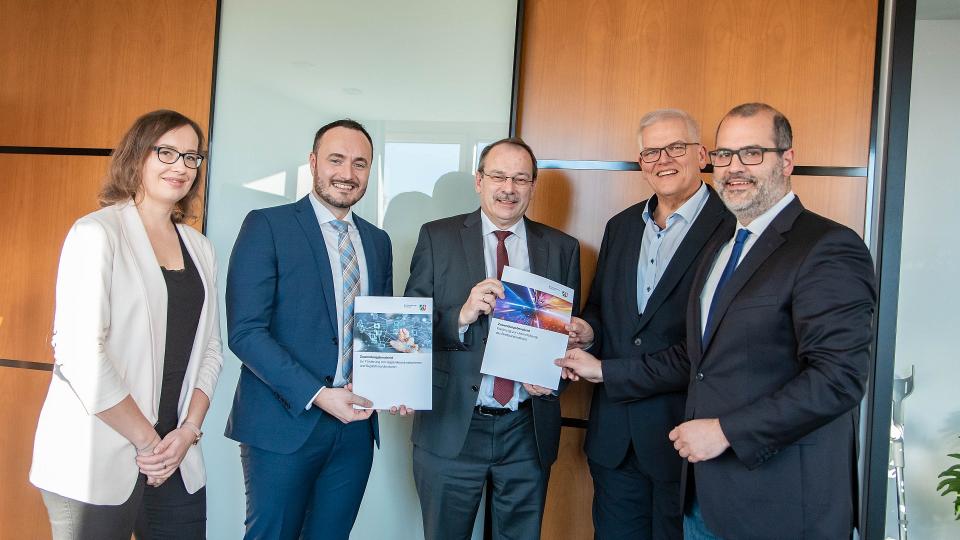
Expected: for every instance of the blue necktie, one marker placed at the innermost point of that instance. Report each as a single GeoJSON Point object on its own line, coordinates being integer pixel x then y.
{"type": "Point", "coordinates": [350, 271]}
{"type": "Point", "coordinates": [728, 270]}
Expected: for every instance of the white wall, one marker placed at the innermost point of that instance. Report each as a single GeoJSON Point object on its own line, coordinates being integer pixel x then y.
{"type": "Point", "coordinates": [430, 71]}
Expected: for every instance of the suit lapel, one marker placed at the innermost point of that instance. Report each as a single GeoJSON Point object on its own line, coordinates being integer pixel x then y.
{"type": "Point", "coordinates": [370, 254]}
{"type": "Point", "coordinates": [690, 247]}
{"type": "Point", "coordinates": [771, 239]}
{"type": "Point", "coordinates": [536, 249]}
{"type": "Point", "coordinates": [311, 230]}
{"type": "Point", "coordinates": [471, 239]}
{"type": "Point", "coordinates": [154, 286]}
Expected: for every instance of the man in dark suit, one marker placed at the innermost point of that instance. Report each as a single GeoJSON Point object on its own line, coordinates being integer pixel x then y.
{"type": "Point", "coordinates": [484, 428]}
{"type": "Point", "coordinates": [294, 273]}
{"type": "Point", "coordinates": [637, 305]}
{"type": "Point", "coordinates": [779, 326]}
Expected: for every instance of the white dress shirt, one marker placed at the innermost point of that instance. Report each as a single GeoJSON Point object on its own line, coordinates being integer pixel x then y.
{"type": "Point", "coordinates": [756, 228]}
{"type": "Point", "coordinates": [519, 258]}
{"type": "Point", "coordinates": [331, 238]}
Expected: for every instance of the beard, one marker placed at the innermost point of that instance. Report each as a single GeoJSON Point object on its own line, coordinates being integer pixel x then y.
{"type": "Point", "coordinates": [326, 192]}
{"type": "Point", "coordinates": [769, 190]}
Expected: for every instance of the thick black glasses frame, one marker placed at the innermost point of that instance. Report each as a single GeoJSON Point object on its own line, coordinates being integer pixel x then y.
{"type": "Point", "coordinates": [739, 153]}
{"type": "Point", "coordinates": [183, 155]}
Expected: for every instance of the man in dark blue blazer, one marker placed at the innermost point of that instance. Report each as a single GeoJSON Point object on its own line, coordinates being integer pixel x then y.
{"type": "Point", "coordinates": [294, 273]}
{"type": "Point", "coordinates": [779, 327]}
{"type": "Point", "coordinates": [637, 305]}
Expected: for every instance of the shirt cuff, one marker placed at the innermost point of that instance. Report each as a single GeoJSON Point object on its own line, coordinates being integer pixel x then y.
{"type": "Point", "coordinates": [310, 405]}
{"type": "Point", "coordinates": [462, 331]}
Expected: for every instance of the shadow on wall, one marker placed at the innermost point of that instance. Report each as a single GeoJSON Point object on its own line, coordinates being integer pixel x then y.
{"type": "Point", "coordinates": [453, 193]}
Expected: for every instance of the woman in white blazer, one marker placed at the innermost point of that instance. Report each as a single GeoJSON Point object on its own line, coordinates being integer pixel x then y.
{"type": "Point", "coordinates": [137, 350]}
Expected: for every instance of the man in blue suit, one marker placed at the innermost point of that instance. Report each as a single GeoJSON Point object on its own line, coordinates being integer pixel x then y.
{"type": "Point", "coordinates": [294, 273]}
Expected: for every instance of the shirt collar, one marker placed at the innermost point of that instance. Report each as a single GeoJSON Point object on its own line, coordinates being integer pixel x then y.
{"type": "Point", "coordinates": [688, 210]}
{"type": "Point", "coordinates": [324, 215]}
{"type": "Point", "coordinates": [757, 226]}
{"type": "Point", "coordinates": [519, 228]}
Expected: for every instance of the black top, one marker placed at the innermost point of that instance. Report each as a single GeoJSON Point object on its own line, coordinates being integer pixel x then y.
{"type": "Point", "coordinates": [185, 295]}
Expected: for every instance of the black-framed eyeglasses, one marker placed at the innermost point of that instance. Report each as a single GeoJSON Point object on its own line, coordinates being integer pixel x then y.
{"type": "Point", "coordinates": [520, 180]}
{"type": "Point", "coordinates": [674, 150]}
{"type": "Point", "coordinates": [748, 155]}
{"type": "Point", "coordinates": [170, 156]}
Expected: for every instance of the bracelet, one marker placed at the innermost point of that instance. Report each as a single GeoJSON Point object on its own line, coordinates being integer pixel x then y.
{"type": "Point", "coordinates": [153, 442]}
{"type": "Point", "coordinates": [196, 431]}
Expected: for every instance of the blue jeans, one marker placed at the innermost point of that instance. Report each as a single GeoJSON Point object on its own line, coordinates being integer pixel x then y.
{"type": "Point", "coordinates": [693, 526]}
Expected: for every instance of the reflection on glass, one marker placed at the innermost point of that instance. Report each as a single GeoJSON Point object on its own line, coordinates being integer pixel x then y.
{"type": "Point", "coordinates": [416, 166]}
{"type": "Point", "coordinates": [431, 81]}
{"type": "Point", "coordinates": [927, 423]}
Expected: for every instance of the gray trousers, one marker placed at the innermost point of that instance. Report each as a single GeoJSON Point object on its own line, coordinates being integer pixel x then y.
{"type": "Point", "coordinates": [165, 512]}
{"type": "Point", "coordinates": [498, 449]}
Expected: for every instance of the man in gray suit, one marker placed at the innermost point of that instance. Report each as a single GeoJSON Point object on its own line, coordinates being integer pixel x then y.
{"type": "Point", "coordinates": [484, 428]}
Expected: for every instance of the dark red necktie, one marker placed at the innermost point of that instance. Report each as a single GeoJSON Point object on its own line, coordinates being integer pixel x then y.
{"type": "Point", "coordinates": [502, 388]}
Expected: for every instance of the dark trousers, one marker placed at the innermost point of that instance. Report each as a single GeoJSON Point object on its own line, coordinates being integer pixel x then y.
{"type": "Point", "coordinates": [165, 512]}
{"type": "Point", "coordinates": [314, 492]}
{"type": "Point", "coordinates": [627, 503]}
{"type": "Point", "coordinates": [498, 449]}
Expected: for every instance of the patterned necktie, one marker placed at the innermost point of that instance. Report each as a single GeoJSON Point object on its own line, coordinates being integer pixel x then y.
{"type": "Point", "coordinates": [502, 388]}
{"type": "Point", "coordinates": [738, 243]}
{"type": "Point", "coordinates": [350, 272]}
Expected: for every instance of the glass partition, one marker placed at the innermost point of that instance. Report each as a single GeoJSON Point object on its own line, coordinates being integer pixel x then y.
{"type": "Point", "coordinates": [431, 80]}
{"type": "Point", "coordinates": [926, 409]}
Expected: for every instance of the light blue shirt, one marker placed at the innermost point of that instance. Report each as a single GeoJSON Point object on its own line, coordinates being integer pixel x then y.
{"type": "Point", "coordinates": [756, 228]}
{"type": "Point", "coordinates": [659, 245]}
{"type": "Point", "coordinates": [331, 238]}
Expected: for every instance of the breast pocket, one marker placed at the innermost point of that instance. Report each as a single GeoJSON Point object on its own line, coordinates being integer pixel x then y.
{"type": "Point", "coordinates": [753, 302]}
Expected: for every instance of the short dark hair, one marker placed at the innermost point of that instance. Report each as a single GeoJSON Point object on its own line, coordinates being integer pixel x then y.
{"type": "Point", "coordinates": [344, 123]}
{"type": "Point", "coordinates": [782, 132]}
{"type": "Point", "coordinates": [124, 177]}
{"type": "Point", "coordinates": [515, 141]}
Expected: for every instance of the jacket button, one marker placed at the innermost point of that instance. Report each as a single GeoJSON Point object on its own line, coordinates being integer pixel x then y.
{"type": "Point", "coordinates": [638, 342]}
{"type": "Point", "coordinates": [328, 379]}
{"type": "Point", "coordinates": [699, 375]}
{"type": "Point", "coordinates": [333, 340]}
{"type": "Point", "coordinates": [475, 388]}
{"type": "Point", "coordinates": [484, 340]}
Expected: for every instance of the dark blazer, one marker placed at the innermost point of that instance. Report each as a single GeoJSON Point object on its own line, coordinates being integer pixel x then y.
{"type": "Point", "coordinates": [784, 372]}
{"type": "Point", "coordinates": [447, 262]}
{"type": "Point", "coordinates": [282, 321]}
{"type": "Point", "coordinates": [620, 331]}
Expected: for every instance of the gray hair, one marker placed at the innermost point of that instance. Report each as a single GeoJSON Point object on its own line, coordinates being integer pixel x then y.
{"type": "Point", "coordinates": [658, 115]}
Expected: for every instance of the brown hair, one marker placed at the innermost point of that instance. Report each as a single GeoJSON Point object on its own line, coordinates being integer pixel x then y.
{"type": "Point", "coordinates": [782, 132]}
{"type": "Point", "coordinates": [515, 141]}
{"type": "Point", "coordinates": [124, 179]}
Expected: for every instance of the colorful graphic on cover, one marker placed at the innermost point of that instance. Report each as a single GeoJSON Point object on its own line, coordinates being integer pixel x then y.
{"type": "Point", "coordinates": [530, 307]}
{"type": "Point", "coordinates": [392, 332]}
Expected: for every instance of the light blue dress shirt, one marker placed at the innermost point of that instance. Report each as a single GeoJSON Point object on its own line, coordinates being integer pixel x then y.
{"type": "Point", "coordinates": [659, 245]}
{"type": "Point", "coordinates": [331, 238]}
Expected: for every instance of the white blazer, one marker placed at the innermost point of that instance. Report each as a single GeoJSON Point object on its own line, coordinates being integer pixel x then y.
{"type": "Point", "coordinates": [108, 338]}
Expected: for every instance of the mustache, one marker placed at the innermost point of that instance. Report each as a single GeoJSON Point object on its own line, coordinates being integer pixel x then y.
{"type": "Point", "coordinates": [507, 197]}
{"type": "Point", "coordinates": [727, 178]}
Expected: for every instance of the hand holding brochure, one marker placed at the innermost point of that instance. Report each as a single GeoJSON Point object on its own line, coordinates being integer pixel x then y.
{"type": "Point", "coordinates": [392, 351]}
{"type": "Point", "coordinates": [528, 329]}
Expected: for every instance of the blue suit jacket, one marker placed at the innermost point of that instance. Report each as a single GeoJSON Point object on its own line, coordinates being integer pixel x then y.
{"type": "Point", "coordinates": [282, 321]}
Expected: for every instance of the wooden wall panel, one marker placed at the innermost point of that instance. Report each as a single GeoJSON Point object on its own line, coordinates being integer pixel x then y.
{"type": "Point", "coordinates": [570, 485]}
{"type": "Point", "coordinates": [22, 514]}
{"type": "Point", "coordinates": [76, 74]}
{"type": "Point", "coordinates": [591, 69]}
{"type": "Point", "coordinates": [44, 195]}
